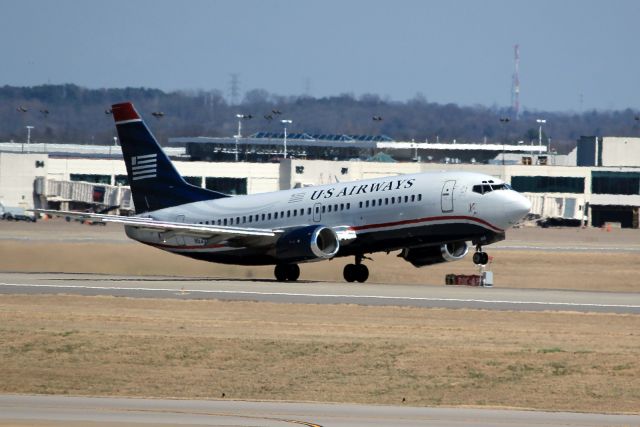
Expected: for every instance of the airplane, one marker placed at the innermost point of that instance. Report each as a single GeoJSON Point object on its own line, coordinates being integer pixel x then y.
{"type": "Point", "coordinates": [429, 217]}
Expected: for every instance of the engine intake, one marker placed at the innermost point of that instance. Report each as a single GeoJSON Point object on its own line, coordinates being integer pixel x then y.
{"type": "Point", "coordinates": [430, 255]}
{"type": "Point", "coordinates": [307, 243]}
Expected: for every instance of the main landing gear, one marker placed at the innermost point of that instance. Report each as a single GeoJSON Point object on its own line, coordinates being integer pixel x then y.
{"type": "Point", "coordinates": [480, 258]}
{"type": "Point", "coordinates": [357, 272]}
{"type": "Point", "coordinates": [287, 272]}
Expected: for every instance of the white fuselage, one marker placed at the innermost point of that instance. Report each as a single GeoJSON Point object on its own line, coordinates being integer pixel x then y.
{"type": "Point", "coordinates": [426, 208]}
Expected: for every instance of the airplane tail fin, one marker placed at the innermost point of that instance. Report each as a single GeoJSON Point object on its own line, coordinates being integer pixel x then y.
{"type": "Point", "coordinates": [155, 183]}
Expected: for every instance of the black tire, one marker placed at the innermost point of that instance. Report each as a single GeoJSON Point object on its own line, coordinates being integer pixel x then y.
{"type": "Point", "coordinates": [477, 258]}
{"type": "Point", "coordinates": [280, 272]}
{"type": "Point", "coordinates": [362, 273]}
{"type": "Point", "coordinates": [350, 273]}
{"type": "Point", "coordinates": [485, 258]}
{"type": "Point", "coordinates": [293, 272]}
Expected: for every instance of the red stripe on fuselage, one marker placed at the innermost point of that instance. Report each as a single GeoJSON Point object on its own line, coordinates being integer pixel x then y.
{"type": "Point", "coordinates": [427, 219]}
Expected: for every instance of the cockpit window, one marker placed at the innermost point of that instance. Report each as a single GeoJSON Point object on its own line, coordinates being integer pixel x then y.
{"type": "Point", "coordinates": [488, 187]}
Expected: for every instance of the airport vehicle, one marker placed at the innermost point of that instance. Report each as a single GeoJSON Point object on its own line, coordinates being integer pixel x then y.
{"type": "Point", "coordinates": [430, 217]}
{"type": "Point", "coordinates": [11, 213]}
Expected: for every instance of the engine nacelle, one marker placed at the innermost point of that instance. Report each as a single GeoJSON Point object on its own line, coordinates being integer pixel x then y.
{"type": "Point", "coordinates": [429, 255]}
{"type": "Point", "coordinates": [307, 243]}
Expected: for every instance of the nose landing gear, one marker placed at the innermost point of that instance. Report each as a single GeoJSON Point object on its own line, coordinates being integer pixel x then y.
{"type": "Point", "coordinates": [357, 272]}
{"type": "Point", "coordinates": [480, 258]}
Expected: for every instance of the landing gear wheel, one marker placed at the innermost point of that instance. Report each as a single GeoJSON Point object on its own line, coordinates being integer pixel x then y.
{"type": "Point", "coordinates": [481, 258]}
{"type": "Point", "coordinates": [280, 272]}
{"type": "Point", "coordinates": [350, 272]}
{"type": "Point", "coordinates": [362, 273]}
{"type": "Point", "coordinates": [293, 272]}
{"type": "Point", "coordinates": [287, 272]}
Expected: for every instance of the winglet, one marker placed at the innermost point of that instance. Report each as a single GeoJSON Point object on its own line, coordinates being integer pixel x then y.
{"type": "Point", "coordinates": [124, 112]}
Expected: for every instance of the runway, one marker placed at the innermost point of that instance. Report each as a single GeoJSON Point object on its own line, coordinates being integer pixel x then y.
{"type": "Point", "coordinates": [59, 411]}
{"type": "Point", "coordinates": [307, 292]}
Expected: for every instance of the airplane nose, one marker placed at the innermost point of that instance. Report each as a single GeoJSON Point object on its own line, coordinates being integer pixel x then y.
{"type": "Point", "coordinates": [517, 208]}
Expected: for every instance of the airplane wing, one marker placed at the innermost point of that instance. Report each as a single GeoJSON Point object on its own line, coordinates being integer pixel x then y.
{"type": "Point", "coordinates": [236, 236]}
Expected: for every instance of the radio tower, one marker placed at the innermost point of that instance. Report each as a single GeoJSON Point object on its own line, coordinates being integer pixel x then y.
{"type": "Point", "coordinates": [515, 84]}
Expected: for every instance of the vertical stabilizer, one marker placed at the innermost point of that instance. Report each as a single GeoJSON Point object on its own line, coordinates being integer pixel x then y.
{"type": "Point", "coordinates": [155, 183]}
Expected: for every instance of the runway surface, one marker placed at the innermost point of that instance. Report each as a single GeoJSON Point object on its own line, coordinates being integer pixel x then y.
{"type": "Point", "coordinates": [321, 292]}
{"type": "Point", "coordinates": [56, 410]}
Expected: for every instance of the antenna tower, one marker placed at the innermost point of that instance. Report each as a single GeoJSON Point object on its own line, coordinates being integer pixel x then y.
{"type": "Point", "coordinates": [515, 84]}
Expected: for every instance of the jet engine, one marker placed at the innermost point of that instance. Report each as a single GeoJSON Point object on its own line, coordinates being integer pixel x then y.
{"type": "Point", "coordinates": [307, 243]}
{"type": "Point", "coordinates": [429, 255]}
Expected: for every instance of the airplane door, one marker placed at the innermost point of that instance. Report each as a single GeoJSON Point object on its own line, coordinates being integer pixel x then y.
{"type": "Point", "coordinates": [446, 199]}
{"type": "Point", "coordinates": [317, 216]}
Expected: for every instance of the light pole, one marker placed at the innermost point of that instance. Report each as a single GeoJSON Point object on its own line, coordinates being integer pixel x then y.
{"type": "Point", "coordinates": [540, 122]}
{"type": "Point", "coordinates": [28, 138]}
{"type": "Point", "coordinates": [504, 121]}
{"type": "Point", "coordinates": [240, 117]}
{"type": "Point", "coordinates": [285, 122]}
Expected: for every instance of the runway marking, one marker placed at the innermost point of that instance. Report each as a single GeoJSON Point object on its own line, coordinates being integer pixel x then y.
{"type": "Point", "coordinates": [570, 248]}
{"type": "Point", "coordinates": [291, 294]}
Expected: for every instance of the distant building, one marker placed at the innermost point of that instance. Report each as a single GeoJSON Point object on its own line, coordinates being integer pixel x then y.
{"type": "Point", "coordinates": [608, 151]}
{"type": "Point", "coordinates": [265, 147]}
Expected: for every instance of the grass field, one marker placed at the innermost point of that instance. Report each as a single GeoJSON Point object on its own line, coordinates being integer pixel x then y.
{"type": "Point", "coordinates": [202, 349]}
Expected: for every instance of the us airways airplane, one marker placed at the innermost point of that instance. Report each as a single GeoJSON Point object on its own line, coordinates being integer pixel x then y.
{"type": "Point", "coordinates": [429, 217]}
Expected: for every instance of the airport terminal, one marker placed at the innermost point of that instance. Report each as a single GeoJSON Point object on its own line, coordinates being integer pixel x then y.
{"type": "Point", "coordinates": [597, 183]}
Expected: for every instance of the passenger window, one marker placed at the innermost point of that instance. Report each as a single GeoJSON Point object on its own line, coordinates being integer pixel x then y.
{"type": "Point", "coordinates": [269, 216]}
{"type": "Point", "coordinates": [301, 212]}
{"type": "Point", "coordinates": [263, 217]}
{"type": "Point", "coordinates": [406, 199]}
{"type": "Point", "coordinates": [366, 204]}
{"type": "Point", "coordinates": [360, 205]}
{"type": "Point", "coordinates": [308, 211]}
{"type": "Point", "coordinates": [373, 203]}
{"type": "Point", "coordinates": [348, 206]}
{"type": "Point", "coordinates": [323, 209]}
{"type": "Point", "coordinates": [329, 208]}
{"type": "Point", "coordinates": [288, 214]}
{"type": "Point", "coordinates": [419, 197]}
{"type": "Point", "coordinates": [341, 206]}
{"type": "Point", "coordinates": [379, 202]}
{"type": "Point", "coordinates": [413, 197]}
{"type": "Point", "coordinates": [225, 221]}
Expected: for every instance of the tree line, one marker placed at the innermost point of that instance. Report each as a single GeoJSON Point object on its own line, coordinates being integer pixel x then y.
{"type": "Point", "coordinates": [73, 114]}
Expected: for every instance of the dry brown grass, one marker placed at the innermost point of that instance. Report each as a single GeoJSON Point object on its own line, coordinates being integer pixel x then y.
{"type": "Point", "coordinates": [517, 269]}
{"type": "Point", "coordinates": [200, 349]}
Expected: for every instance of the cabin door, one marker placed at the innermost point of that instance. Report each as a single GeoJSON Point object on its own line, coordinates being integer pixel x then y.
{"type": "Point", "coordinates": [446, 199]}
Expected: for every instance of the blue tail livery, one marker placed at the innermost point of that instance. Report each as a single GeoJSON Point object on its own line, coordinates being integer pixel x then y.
{"type": "Point", "coordinates": [155, 183]}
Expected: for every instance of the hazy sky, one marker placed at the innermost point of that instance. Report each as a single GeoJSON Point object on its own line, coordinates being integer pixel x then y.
{"type": "Point", "coordinates": [575, 54]}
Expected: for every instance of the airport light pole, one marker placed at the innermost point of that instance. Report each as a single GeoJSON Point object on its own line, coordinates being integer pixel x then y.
{"type": "Point", "coordinates": [28, 138]}
{"type": "Point", "coordinates": [504, 121]}
{"type": "Point", "coordinates": [285, 122]}
{"type": "Point", "coordinates": [240, 117]}
{"type": "Point", "coordinates": [540, 122]}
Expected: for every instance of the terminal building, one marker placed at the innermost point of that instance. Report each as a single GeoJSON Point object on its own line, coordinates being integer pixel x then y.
{"type": "Point", "coordinates": [596, 184]}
